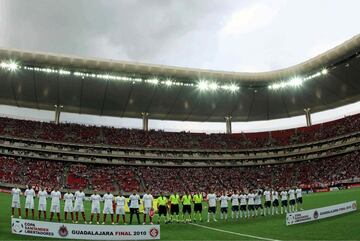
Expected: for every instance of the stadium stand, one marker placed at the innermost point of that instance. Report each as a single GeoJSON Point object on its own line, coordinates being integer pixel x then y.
{"type": "Point", "coordinates": [324, 172]}
{"type": "Point", "coordinates": [76, 133]}
{"type": "Point", "coordinates": [335, 163]}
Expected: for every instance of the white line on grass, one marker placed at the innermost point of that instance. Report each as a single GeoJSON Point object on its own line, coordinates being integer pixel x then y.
{"type": "Point", "coordinates": [238, 234]}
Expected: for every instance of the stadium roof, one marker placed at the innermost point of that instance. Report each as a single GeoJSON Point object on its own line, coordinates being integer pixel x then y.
{"type": "Point", "coordinates": [126, 89]}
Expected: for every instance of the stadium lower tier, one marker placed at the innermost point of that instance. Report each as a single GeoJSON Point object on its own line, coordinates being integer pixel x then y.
{"type": "Point", "coordinates": [67, 175]}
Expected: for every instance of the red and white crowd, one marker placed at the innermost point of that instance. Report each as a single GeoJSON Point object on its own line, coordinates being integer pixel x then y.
{"type": "Point", "coordinates": [76, 133]}
{"type": "Point", "coordinates": [310, 174]}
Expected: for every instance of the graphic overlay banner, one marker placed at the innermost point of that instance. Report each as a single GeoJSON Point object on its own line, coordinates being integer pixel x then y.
{"type": "Point", "coordinates": [320, 213]}
{"type": "Point", "coordinates": [84, 231]}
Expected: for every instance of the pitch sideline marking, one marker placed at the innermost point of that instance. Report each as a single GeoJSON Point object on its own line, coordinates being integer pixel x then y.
{"type": "Point", "coordinates": [234, 233]}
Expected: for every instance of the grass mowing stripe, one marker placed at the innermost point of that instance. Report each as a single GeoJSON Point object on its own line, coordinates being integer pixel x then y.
{"type": "Point", "coordinates": [234, 233]}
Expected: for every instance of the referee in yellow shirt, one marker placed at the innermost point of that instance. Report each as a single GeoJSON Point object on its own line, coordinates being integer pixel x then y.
{"type": "Point", "coordinates": [197, 199]}
{"type": "Point", "coordinates": [186, 202]}
{"type": "Point", "coordinates": [162, 209]}
{"type": "Point", "coordinates": [174, 207]}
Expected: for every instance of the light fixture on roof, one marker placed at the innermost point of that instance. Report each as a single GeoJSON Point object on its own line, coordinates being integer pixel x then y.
{"type": "Point", "coordinates": [64, 72]}
{"type": "Point", "coordinates": [11, 65]}
{"type": "Point", "coordinates": [202, 85]}
{"type": "Point", "coordinates": [168, 82]}
{"type": "Point", "coordinates": [213, 86]}
{"type": "Point", "coordinates": [153, 81]}
{"type": "Point", "coordinates": [296, 82]}
{"type": "Point", "coordinates": [231, 87]}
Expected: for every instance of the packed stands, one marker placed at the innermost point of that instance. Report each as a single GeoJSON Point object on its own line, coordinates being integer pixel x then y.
{"type": "Point", "coordinates": [318, 173]}
{"type": "Point", "coordinates": [76, 133]}
{"type": "Point", "coordinates": [102, 177]}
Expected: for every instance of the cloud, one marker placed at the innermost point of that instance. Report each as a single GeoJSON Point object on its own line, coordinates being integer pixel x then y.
{"type": "Point", "coordinates": [128, 30]}
{"type": "Point", "coordinates": [252, 17]}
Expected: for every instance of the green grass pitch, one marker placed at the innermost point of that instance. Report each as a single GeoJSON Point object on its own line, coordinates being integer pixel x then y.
{"type": "Point", "coordinates": [343, 227]}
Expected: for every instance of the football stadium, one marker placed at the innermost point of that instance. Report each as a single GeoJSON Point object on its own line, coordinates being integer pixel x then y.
{"type": "Point", "coordinates": [86, 179]}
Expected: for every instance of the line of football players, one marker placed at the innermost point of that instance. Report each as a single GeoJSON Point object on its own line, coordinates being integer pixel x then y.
{"type": "Point", "coordinates": [243, 204]}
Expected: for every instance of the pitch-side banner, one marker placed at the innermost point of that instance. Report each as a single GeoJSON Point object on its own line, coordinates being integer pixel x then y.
{"type": "Point", "coordinates": [84, 231]}
{"type": "Point", "coordinates": [320, 213]}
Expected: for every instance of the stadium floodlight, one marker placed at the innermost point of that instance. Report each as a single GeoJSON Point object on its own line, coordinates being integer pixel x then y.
{"type": "Point", "coordinates": [11, 65]}
{"type": "Point", "coordinates": [168, 82]}
{"type": "Point", "coordinates": [231, 87]}
{"type": "Point", "coordinates": [153, 81]}
{"type": "Point", "coordinates": [213, 86]}
{"type": "Point", "coordinates": [64, 72]}
{"type": "Point", "coordinates": [295, 82]}
{"type": "Point", "coordinates": [202, 85]}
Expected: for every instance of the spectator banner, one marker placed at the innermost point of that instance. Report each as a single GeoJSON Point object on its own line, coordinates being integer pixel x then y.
{"type": "Point", "coordinates": [320, 213]}
{"type": "Point", "coordinates": [84, 231]}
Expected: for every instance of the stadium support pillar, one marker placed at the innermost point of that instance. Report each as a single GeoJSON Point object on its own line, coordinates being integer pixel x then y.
{"type": "Point", "coordinates": [308, 116]}
{"type": "Point", "coordinates": [57, 113]}
{"type": "Point", "coordinates": [145, 119]}
{"type": "Point", "coordinates": [228, 124]}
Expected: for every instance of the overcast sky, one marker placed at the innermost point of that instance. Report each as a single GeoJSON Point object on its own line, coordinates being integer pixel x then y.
{"type": "Point", "coordinates": [215, 34]}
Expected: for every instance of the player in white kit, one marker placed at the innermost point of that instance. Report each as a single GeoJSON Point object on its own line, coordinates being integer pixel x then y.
{"type": "Point", "coordinates": [224, 206]}
{"type": "Point", "coordinates": [148, 205]}
{"type": "Point", "coordinates": [284, 201]}
{"type": "Point", "coordinates": [120, 207]}
{"type": "Point", "coordinates": [29, 201]}
{"type": "Point", "coordinates": [258, 203]}
{"type": "Point", "coordinates": [235, 205]}
{"type": "Point", "coordinates": [251, 204]}
{"type": "Point", "coordinates": [275, 202]}
{"type": "Point", "coordinates": [95, 207]}
{"type": "Point", "coordinates": [108, 206]}
{"type": "Point", "coordinates": [15, 192]}
{"type": "Point", "coordinates": [299, 199]}
{"type": "Point", "coordinates": [243, 203]}
{"type": "Point", "coordinates": [267, 195]}
{"type": "Point", "coordinates": [68, 207]}
{"type": "Point", "coordinates": [79, 205]}
{"type": "Point", "coordinates": [211, 197]}
{"type": "Point", "coordinates": [42, 195]}
{"type": "Point", "coordinates": [55, 203]}
{"type": "Point", "coordinates": [292, 201]}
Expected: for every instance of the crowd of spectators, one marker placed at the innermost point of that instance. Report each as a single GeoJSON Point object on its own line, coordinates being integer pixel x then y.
{"type": "Point", "coordinates": [316, 173]}
{"type": "Point", "coordinates": [181, 140]}
{"type": "Point", "coordinates": [24, 171]}
{"type": "Point", "coordinates": [50, 174]}
{"type": "Point", "coordinates": [309, 173]}
{"type": "Point", "coordinates": [101, 177]}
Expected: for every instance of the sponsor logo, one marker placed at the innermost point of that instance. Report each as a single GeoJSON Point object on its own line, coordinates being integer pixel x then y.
{"type": "Point", "coordinates": [154, 232]}
{"type": "Point", "coordinates": [316, 214]}
{"type": "Point", "coordinates": [354, 206]}
{"type": "Point", "coordinates": [17, 227]}
{"type": "Point", "coordinates": [290, 219]}
{"type": "Point", "coordinates": [63, 232]}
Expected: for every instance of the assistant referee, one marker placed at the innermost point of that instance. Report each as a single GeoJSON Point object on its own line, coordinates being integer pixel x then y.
{"type": "Point", "coordinates": [198, 198]}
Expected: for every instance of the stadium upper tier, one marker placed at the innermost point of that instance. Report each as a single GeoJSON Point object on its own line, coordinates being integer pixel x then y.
{"type": "Point", "coordinates": [133, 138]}
{"type": "Point", "coordinates": [126, 89]}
